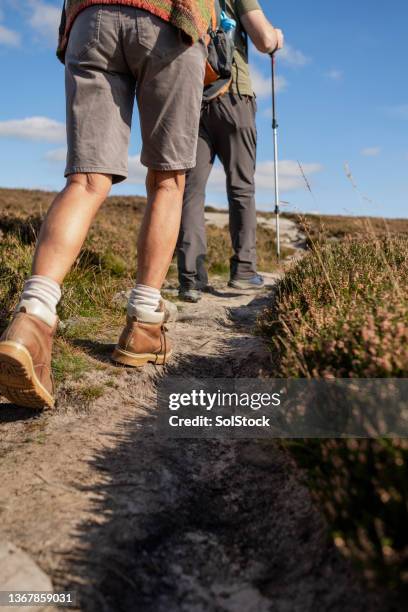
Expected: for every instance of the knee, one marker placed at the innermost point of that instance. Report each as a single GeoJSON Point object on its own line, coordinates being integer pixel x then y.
{"type": "Point", "coordinates": [95, 184]}
{"type": "Point", "coordinates": [241, 193]}
{"type": "Point", "coordinates": [169, 181]}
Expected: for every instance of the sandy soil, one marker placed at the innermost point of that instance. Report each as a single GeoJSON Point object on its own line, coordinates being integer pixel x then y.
{"type": "Point", "coordinates": [133, 521]}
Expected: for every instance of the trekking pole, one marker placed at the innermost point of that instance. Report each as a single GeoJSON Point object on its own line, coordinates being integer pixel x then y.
{"type": "Point", "coordinates": [276, 160]}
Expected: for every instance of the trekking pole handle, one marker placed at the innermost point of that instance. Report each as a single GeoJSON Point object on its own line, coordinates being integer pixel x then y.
{"type": "Point", "coordinates": [272, 53]}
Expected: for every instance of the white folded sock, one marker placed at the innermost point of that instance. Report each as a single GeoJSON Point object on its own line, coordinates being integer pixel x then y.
{"type": "Point", "coordinates": [144, 304]}
{"type": "Point", "coordinates": [40, 297]}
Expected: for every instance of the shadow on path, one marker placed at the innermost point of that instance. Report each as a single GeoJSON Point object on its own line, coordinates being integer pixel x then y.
{"type": "Point", "coordinates": [10, 413]}
{"type": "Point", "coordinates": [205, 525]}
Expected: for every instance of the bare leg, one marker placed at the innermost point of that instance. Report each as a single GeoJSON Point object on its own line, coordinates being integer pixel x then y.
{"type": "Point", "coordinates": [67, 223]}
{"type": "Point", "coordinates": [26, 344]}
{"type": "Point", "coordinates": [144, 339]}
{"type": "Point", "coordinates": [72, 212]}
{"type": "Point", "coordinates": [161, 223]}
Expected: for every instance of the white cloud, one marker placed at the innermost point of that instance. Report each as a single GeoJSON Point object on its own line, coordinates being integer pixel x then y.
{"type": "Point", "coordinates": [288, 55]}
{"type": "Point", "coordinates": [335, 75]}
{"type": "Point", "coordinates": [137, 172]}
{"type": "Point", "coordinates": [44, 19]}
{"type": "Point", "coordinates": [33, 128]}
{"type": "Point", "coordinates": [290, 175]}
{"type": "Point", "coordinates": [263, 85]}
{"type": "Point", "coordinates": [400, 111]}
{"type": "Point", "coordinates": [371, 151]}
{"type": "Point", "coordinates": [57, 155]}
{"type": "Point", "coordinates": [9, 37]}
{"type": "Point", "coordinates": [292, 56]}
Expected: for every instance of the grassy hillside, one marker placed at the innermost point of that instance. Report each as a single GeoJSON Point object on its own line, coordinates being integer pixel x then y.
{"type": "Point", "coordinates": [108, 248]}
{"type": "Point", "coordinates": [91, 302]}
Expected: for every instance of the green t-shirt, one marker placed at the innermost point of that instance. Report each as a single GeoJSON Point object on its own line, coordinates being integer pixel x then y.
{"type": "Point", "coordinates": [241, 81]}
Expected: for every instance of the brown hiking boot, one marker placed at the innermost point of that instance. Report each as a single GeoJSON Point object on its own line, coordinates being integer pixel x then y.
{"type": "Point", "coordinates": [142, 342]}
{"type": "Point", "coordinates": [25, 361]}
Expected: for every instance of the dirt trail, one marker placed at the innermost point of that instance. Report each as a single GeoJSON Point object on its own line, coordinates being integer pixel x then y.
{"type": "Point", "coordinates": [132, 521]}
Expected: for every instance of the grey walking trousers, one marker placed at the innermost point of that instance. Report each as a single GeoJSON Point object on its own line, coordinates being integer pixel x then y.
{"type": "Point", "coordinates": [227, 130]}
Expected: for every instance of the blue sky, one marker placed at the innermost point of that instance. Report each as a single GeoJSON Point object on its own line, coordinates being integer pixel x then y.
{"type": "Point", "coordinates": [343, 101]}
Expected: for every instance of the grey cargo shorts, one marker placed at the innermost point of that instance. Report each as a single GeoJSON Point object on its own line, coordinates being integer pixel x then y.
{"type": "Point", "coordinates": [114, 53]}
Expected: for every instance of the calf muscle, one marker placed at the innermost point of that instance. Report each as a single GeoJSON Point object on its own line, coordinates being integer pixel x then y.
{"type": "Point", "coordinates": [159, 231]}
{"type": "Point", "coordinates": [67, 223]}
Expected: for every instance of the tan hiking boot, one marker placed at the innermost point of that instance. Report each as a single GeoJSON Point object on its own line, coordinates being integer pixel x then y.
{"type": "Point", "coordinates": [143, 341]}
{"type": "Point", "coordinates": [25, 361]}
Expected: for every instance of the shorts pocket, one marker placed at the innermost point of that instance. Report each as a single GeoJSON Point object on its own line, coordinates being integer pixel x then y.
{"type": "Point", "coordinates": [159, 37]}
{"type": "Point", "coordinates": [85, 31]}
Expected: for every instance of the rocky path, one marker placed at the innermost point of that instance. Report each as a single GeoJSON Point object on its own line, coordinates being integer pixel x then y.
{"type": "Point", "coordinates": [103, 505]}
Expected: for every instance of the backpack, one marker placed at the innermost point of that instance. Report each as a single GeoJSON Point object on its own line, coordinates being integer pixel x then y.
{"type": "Point", "coordinates": [220, 61]}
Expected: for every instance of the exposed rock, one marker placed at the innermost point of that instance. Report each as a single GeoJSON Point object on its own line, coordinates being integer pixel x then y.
{"type": "Point", "coordinates": [18, 572]}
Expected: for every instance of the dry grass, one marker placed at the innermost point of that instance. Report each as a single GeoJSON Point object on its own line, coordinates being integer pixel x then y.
{"type": "Point", "coordinates": [319, 229]}
{"type": "Point", "coordinates": [108, 247]}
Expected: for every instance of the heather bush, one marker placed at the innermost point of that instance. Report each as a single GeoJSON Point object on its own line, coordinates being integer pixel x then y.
{"type": "Point", "coordinates": [342, 311]}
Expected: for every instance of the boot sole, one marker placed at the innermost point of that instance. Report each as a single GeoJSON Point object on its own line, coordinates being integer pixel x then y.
{"type": "Point", "coordinates": [135, 360]}
{"type": "Point", "coordinates": [235, 285]}
{"type": "Point", "coordinates": [189, 300]}
{"type": "Point", "coordinates": [18, 380]}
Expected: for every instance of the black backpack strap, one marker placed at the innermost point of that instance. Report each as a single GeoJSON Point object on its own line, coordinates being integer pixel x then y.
{"type": "Point", "coordinates": [63, 20]}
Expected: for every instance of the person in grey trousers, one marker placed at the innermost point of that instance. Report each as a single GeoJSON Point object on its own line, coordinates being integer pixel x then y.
{"type": "Point", "coordinates": [227, 130]}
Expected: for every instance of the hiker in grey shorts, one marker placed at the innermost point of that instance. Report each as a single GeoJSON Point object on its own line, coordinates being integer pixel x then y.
{"type": "Point", "coordinates": [114, 51]}
{"type": "Point", "coordinates": [227, 130]}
